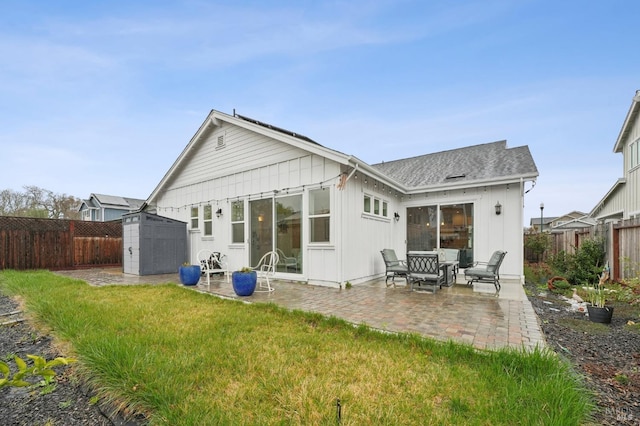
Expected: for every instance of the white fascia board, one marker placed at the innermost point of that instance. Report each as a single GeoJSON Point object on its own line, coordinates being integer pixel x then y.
{"type": "Point", "coordinates": [628, 121]}
{"type": "Point", "coordinates": [215, 119]}
{"type": "Point", "coordinates": [614, 188]}
{"type": "Point", "coordinates": [474, 184]}
{"type": "Point", "coordinates": [375, 174]}
{"type": "Point", "coordinates": [311, 147]}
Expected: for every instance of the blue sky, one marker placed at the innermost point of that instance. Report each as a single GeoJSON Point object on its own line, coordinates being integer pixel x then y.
{"type": "Point", "coordinates": [102, 96]}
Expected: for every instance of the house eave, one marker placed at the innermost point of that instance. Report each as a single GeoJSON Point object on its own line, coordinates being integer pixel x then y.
{"type": "Point", "coordinates": [465, 184]}
{"type": "Point", "coordinates": [620, 182]}
{"type": "Point", "coordinates": [634, 109]}
{"type": "Point", "coordinates": [215, 119]}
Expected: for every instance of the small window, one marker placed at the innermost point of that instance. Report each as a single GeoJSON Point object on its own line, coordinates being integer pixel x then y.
{"type": "Point", "coordinates": [367, 204]}
{"type": "Point", "coordinates": [207, 220]}
{"type": "Point", "coordinates": [194, 218]}
{"type": "Point", "coordinates": [375, 206]}
{"type": "Point", "coordinates": [319, 215]}
{"type": "Point", "coordinates": [237, 222]}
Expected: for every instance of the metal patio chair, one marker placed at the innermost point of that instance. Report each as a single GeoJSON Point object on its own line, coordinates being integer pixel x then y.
{"type": "Point", "coordinates": [488, 272]}
{"type": "Point", "coordinates": [393, 266]}
{"type": "Point", "coordinates": [424, 267]}
{"type": "Point", "coordinates": [288, 262]}
{"type": "Point", "coordinates": [211, 263]}
{"type": "Point", "coordinates": [265, 269]}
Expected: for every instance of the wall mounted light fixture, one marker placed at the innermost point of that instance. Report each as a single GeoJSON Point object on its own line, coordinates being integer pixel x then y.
{"type": "Point", "coordinates": [396, 216]}
{"type": "Point", "coordinates": [218, 213]}
{"type": "Point", "coordinates": [498, 208]}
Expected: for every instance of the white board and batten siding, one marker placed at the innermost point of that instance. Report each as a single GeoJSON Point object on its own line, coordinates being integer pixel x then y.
{"type": "Point", "coordinates": [245, 165]}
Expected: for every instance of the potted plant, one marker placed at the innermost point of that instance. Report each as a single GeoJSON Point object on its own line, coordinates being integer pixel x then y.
{"type": "Point", "coordinates": [189, 274]}
{"type": "Point", "coordinates": [244, 281]}
{"type": "Point", "coordinates": [597, 296]}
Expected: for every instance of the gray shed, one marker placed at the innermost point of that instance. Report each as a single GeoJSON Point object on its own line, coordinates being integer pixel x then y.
{"type": "Point", "coordinates": [152, 244]}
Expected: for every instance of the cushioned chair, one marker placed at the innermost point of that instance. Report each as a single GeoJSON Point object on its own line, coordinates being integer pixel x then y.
{"type": "Point", "coordinates": [424, 268]}
{"type": "Point", "coordinates": [486, 272]}
{"type": "Point", "coordinates": [211, 263]}
{"type": "Point", "coordinates": [394, 267]}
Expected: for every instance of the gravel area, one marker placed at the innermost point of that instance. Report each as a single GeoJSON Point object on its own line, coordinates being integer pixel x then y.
{"type": "Point", "coordinates": [608, 356]}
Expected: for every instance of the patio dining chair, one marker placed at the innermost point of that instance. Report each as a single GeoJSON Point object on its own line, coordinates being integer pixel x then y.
{"type": "Point", "coordinates": [424, 267]}
{"type": "Point", "coordinates": [394, 267]}
{"type": "Point", "coordinates": [265, 269]}
{"type": "Point", "coordinates": [288, 262]}
{"type": "Point", "coordinates": [486, 272]}
{"type": "Point", "coordinates": [211, 263]}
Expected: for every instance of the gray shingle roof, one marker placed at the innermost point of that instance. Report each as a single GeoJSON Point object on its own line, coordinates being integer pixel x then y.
{"type": "Point", "coordinates": [474, 163]}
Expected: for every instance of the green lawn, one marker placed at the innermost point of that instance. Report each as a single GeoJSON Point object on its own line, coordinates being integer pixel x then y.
{"type": "Point", "coordinates": [186, 358]}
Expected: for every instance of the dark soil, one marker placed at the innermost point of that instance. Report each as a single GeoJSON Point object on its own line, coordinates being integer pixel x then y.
{"type": "Point", "coordinates": [68, 402]}
{"type": "Point", "coordinates": [606, 355]}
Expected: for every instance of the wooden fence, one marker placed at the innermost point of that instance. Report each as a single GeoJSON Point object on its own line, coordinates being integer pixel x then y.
{"type": "Point", "coordinates": [621, 240]}
{"type": "Point", "coordinates": [30, 243]}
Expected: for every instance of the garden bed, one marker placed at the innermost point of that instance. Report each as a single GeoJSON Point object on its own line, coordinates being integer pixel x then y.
{"type": "Point", "coordinates": [608, 356]}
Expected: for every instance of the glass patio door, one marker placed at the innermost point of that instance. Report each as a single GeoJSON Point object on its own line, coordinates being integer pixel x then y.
{"type": "Point", "coordinates": [440, 226]}
{"type": "Point", "coordinates": [289, 233]}
{"type": "Point", "coordinates": [277, 225]}
{"type": "Point", "coordinates": [261, 229]}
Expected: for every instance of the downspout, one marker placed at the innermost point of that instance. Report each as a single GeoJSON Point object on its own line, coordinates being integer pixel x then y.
{"type": "Point", "coordinates": [340, 256]}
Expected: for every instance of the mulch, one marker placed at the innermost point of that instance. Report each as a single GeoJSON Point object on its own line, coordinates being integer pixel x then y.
{"type": "Point", "coordinates": [606, 356]}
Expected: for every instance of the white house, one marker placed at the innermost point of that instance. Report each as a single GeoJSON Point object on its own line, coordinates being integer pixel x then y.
{"type": "Point", "coordinates": [246, 187]}
{"type": "Point", "coordinates": [623, 199]}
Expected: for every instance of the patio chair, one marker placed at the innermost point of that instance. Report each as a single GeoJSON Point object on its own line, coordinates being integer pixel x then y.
{"type": "Point", "coordinates": [452, 256]}
{"type": "Point", "coordinates": [289, 262]}
{"type": "Point", "coordinates": [424, 267]}
{"type": "Point", "coordinates": [488, 272]}
{"type": "Point", "coordinates": [265, 269]}
{"type": "Point", "coordinates": [212, 262]}
{"type": "Point", "coordinates": [393, 266]}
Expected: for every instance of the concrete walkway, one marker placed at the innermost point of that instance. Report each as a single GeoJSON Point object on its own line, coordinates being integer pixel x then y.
{"type": "Point", "coordinates": [477, 315]}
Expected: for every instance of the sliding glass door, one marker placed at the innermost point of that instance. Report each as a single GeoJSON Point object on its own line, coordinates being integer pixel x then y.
{"type": "Point", "coordinates": [276, 224]}
{"type": "Point", "coordinates": [440, 226]}
{"type": "Point", "coordinates": [261, 229]}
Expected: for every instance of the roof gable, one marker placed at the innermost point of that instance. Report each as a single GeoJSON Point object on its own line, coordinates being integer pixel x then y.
{"type": "Point", "coordinates": [215, 119]}
{"type": "Point", "coordinates": [629, 121]}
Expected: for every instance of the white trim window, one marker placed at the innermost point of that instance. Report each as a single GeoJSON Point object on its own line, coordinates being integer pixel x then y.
{"type": "Point", "coordinates": [194, 217]}
{"type": "Point", "coordinates": [634, 153]}
{"type": "Point", "coordinates": [237, 222]}
{"type": "Point", "coordinates": [320, 215]}
{"type": "Point", "coordinates": [207, 220]}
{"type": "Point", "coordinates": [375, 206]}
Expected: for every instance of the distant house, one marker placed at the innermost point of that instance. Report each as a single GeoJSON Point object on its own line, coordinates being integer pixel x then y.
{"type": "Point", "coordinates": [622, 201]}
{"type": "Point", "coordinates": [245, 187]}
{"type": "Point", "coordinates": [104, 208]}
{"type": "Point", "coordinates": [546, 222]}
{"type": "Point", "coordinates": [573, 220]}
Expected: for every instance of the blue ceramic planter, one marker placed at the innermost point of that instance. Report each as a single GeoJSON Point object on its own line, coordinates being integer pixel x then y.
{"type": "Point", "coordinates": [244, 283]}
{"type": "Point", "coordinates": [189, 275]}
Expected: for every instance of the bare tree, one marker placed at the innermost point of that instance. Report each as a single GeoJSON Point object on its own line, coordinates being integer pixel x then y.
{"type": "Point", "coordinates": [38, 202]}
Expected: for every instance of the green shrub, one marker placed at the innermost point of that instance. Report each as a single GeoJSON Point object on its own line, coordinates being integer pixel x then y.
{"type": "Point", "coordinates": [582, 267]}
